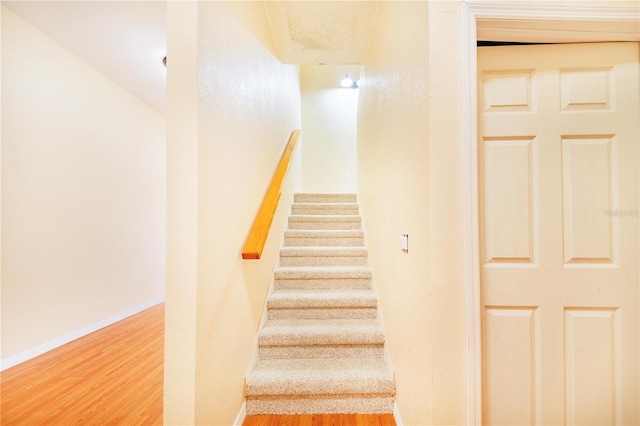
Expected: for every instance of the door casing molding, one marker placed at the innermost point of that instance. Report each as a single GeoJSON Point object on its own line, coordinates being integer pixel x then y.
{"type": "Point", "coordinates": [562, 23]}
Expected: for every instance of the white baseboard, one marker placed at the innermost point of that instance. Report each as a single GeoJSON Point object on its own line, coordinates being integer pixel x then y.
{"type": "Point", "coordinates": [52, 344]}
{"type": "Point", "coordinates": [241, 415]}
{"type": "Point", "coordinates": [396, 414]}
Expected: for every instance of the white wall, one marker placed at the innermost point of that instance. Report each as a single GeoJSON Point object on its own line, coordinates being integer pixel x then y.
{"type": "Point", "coordinates": [329, 129]}
{"type": "Point", "coordinates": [83, 193]}
{"type": "Point", "coordinates": [231, 108]}
{"type": "Point", "coordinates": [409, 168]}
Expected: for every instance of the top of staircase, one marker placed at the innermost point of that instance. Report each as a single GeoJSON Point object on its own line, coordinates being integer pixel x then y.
{"type": "Point", "coordinates": [324, 198]}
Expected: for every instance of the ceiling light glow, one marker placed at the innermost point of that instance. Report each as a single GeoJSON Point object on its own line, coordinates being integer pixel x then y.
{"type": "Point", "coordinates": [346, 81]}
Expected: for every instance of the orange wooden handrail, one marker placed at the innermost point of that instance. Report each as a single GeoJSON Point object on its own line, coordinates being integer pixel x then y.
{"type": "Point", "coordinates": [260, 229]}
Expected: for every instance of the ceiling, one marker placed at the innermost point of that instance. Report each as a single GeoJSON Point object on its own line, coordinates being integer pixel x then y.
{"type": "Point", "coordinates": [125, 40]}
{"type": "Point", "coordinates": [329, 32]}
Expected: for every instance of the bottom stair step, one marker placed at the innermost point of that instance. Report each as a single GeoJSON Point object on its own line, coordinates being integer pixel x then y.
{"type": "Point", "coordinates": [306, 386]}
{"type": "Point", "coordinates": [326, 404]}
{"type": "Point", "coordinates": [297, 377]}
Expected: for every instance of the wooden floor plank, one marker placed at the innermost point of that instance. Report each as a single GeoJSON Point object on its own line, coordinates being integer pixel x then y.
{"type": "Point", "coordinates": [113, 376]}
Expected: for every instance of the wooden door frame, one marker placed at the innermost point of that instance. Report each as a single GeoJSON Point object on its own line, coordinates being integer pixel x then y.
{"type": "Point", "coordinates": [560, 23]}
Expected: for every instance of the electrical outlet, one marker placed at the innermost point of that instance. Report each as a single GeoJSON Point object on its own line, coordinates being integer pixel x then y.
{"type": "Point", "coordinates": [135, 282]}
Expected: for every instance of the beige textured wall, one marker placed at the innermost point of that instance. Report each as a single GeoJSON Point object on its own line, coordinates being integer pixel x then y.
{"type": "Point", "coordinates": [409, 169]}
{"type": "Point", "coordinates": [83, 193]}
{"type": "Point", "coordinates": [182, 213]}
{"type": "Point", "coordinates": [446, 222]}
{"type": "Point", "coordinates": [1, 9]}
{"type": "Point", "coordinates": [329, 126]}
{"type": "Point", "coordinates": [247, 103]}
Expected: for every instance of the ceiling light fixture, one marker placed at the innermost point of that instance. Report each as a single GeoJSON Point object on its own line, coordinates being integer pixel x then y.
{"type": "Point", "coordinates": [347, 82]}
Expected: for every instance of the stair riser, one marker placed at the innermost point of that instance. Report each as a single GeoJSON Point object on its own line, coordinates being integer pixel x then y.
{"type": "Point", "coordinates": [363, 404]}
{"type": "Point", "coordinates": [307, 210]}
{"type": "Point", "coordinates": [324, 225]}
{"type": "Point", "coordinates": [324, 261]}
{"type": "Point", "coordinates": [323, 242]}
{"type": "Point", "coordinates": [321, 352]}
{"type": "Point", "coordinates": [323, 284]}
{"type": "Point", "coordinates": [337, 313]}
{"type": "Point", "coordinates": [325, 198]}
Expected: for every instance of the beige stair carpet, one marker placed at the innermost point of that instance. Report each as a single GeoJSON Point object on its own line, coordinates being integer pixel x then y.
{"type": "Point", "coordinates": [322, 346]}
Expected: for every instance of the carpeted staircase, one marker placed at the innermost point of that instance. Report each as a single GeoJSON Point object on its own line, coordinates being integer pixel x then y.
{"type": "Point", "coordinates": [322, 346]}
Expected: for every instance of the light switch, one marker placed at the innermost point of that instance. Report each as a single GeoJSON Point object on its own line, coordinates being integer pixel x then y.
{"type": "Point", "coordinates": [404, 242]}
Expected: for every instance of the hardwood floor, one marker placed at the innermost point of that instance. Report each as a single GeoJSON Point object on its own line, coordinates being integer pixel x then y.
{"type": "Point", "coordinates": [321, 420]}
{"type": "Point", "coordinates": [115, 377]}
{"type": "Point", "coordinates": [111, 377]}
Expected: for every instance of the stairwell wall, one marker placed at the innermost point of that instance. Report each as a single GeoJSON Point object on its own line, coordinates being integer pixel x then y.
{"type": "Point", "coordinates": [83, 194]}
{"type": "Point", "coordinates": [329, 128]}
{"type": "Point", "coordinates": [409, 181]}
{"type": "Point", "coordinates": [237, 104]}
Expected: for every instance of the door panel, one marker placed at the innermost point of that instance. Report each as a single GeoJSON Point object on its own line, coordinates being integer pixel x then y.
{"type": "Point", "coordinates": [513, 365]}
{"type": "Point", "coordinates": [587, 188]}
{"type": "Point", "coordinates": [558, 164]}
{"type": "Point", "coordinates": [593, 366]}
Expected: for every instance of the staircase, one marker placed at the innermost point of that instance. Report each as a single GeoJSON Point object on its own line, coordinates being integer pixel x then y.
{"type": "Point", "coordinates": [322, 346]}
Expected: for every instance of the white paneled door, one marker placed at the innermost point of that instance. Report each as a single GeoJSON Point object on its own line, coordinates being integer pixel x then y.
{"type": "Point", "coordinates": [558, 157]}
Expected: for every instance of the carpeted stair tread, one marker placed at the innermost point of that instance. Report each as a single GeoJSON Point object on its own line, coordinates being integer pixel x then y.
{"type": "Point", "coordinates": [323, 233]}
{"type": "Point", "coordinates": [323, 251]}
{"type": "Point", "coordinates": [325, 198]}
{"type": "Point", "coordinates": [319, 272]}
{"type": "Point", "coordinates": [324, 218]}
{"type": "Point", "coordinates": [323, 256]}
{"type": "Point", "coordinates": [323, 238]}
{"type": "Point", "coordinates": [333, 284]}
{"type": "Point", "coordinates": [327, 206]}
{"type": "Point", "coordinates": [324, 209]}
{"type": "Point", "coordinates": [321, 332]}
{"type": "Point", "coordinates": [322, 299]}
{"type": "Point", "coordinates": [367, 376]}
{"type": "Point", "coordinates": [324, 404]}
{"type": "Point", "coordinates": [325, 222]}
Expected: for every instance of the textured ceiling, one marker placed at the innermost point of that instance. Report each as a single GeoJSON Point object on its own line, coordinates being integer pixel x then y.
{"type": "Point", "coordinates": [330, 32]}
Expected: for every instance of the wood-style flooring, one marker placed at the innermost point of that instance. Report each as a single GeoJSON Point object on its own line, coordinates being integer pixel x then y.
{"type": "Point", "coordinates": [111, 377]}
{"type": "Point", "coordinates": [115, 377]}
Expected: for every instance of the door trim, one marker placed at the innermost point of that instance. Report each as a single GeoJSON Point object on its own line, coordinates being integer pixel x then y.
{"type": "Point", "coordinates": [562, 24]}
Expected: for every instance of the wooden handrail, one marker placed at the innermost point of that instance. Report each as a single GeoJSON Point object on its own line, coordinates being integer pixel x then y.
{"type": "Point", "coordinates": [260, 229]}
